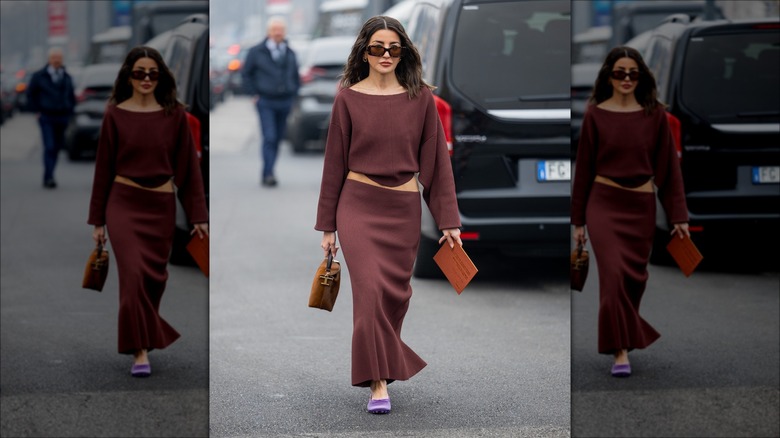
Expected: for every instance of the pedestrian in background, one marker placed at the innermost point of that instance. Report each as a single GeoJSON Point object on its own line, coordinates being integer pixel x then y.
{"type": "Point", "coordinates": [384, 129]}
{"type": "Point", "coordinates": [625, 149]}
{"type": "Point", "coordinates": [145, 148]}
{"type": "Point", "coordinates": [270, 74]}
{"type": "Point", "coordinates": [50, 95]}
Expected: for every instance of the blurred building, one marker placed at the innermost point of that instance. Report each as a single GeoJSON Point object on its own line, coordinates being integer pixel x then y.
{"type": "Point", "coordinates": [25, 27]}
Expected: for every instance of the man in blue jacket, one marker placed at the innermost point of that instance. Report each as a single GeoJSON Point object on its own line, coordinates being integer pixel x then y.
{"type": "Point", "coordinates": [50, 95]}
{"type": "Point", "coordinates": [270, 74]}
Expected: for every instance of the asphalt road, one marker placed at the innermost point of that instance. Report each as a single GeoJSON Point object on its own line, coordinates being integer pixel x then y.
{"type": "Point", "coordinates": [498, 355]}
{"type": "Point", "coordinates": [715, 371]}
{"type": "Point", "coordinates": [60, 373]}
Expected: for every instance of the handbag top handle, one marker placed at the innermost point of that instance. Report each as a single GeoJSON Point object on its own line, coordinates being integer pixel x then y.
{"type": "Point", "coordinates": [330, 262]}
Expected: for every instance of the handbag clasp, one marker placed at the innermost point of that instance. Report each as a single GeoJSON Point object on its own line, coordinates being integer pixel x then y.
{"type": "Point", "coordinates": [98, 264]}
{"type": "Point", "coordinates": [326, 279]}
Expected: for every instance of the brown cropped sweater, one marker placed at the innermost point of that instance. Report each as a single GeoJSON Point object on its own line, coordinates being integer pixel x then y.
{"type": "Point", "coordinates": [629, 148]}
{"type": "Point", "coordinates": [149, 148]}
{"type": "Point", "coordinates": [389, 139]}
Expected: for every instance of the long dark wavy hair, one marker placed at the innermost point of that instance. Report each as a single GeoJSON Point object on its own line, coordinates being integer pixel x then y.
{"type": "Point", "coordinates": [164, 92]}
{"type": "Point", "coordinates": [409, 68]}
{"type": "Point", "coordinates": [645, 92]}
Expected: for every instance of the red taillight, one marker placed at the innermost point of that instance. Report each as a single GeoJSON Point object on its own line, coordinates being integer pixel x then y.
{"type": "Point", "coordinates": [445, 115]}
{"type": "Point", "coordinates": [234, 49]}
{"type": "Point", "coordinates": [234, 65]}
{"type": "Point", "coordinates": [696, 228]}
{"type": "Point", "coordinates": [676, 129]}
{"type": "Point", "coordinates": [84, 95]}
{"type": "Point", "coordinates": [469, 235]}
{"type": "Point", "coordinates": [312, 73]}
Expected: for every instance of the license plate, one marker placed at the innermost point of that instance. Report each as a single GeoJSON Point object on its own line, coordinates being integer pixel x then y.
{"type": "Point", "coordinates": [553, 170]}
{"type": "Point", "coordinates": [766, 174]}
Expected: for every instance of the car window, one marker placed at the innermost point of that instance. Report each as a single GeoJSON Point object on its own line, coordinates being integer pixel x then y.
{"type": "Point", "coordinates": [345, 22]}
{"type": "Point", "coordinates": [112, 52]}
{"type": "Point", "coordinates": [177, 58]}
{"type": "Point", "coordinates": [424, 36]}
{"type": "Point", "coordinates": [657, 57]}
{"type": "Point", "coordinates": [98, 76]}
{"type": "Point", "coordinates": [329, 54]}
{"type": "Point", "coordinates": [510, 55]}
{"type": "Point", "coordinates": [733, 77]}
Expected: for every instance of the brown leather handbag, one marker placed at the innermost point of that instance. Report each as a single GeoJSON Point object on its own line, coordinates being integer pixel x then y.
{"type": "Point", "coordinates": [580, 261]}
{"type": "Point", "coordinates": [325, 287]}
{"type": "Point", "coordinates": [96, 271]}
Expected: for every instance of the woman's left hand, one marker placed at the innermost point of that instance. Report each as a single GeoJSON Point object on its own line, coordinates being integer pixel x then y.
{"type": "Point", "coordinates": [202, 230]}
{"type": "Point", "coordinates": [452, 235]}
{"type": "Point", "coordinates": [681, 230]}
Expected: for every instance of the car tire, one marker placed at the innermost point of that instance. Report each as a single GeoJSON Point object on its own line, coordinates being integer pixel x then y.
{"type": "Point", "coordinates": [74, 152]}
{"type": "Point", "coordinates": [298, 144]}
{"type": "Point", "coordinates": [659, 255]}
{"type": "Point", "coordinates": [424, 266]}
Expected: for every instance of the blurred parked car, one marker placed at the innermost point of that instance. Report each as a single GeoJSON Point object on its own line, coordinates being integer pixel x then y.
{"type": "Point", "coordinates": [93, 90]}
{"type": "Point", "coordinates": [3, 100]}
{"type": "Point", "coordinates": [23, 77]}
{"type": "Point", "coordinates": [719, 79]}
{"type": "Point", "coordinates": [8, 94]}
{"type": "Point", "coordinates": [308, 123]}
{"type": "Point", "coordinates": [629, 19]}
{"type": "Point", "coordinates": [346, 17]}
{"type": "Point", "coordinates": [503, 70]}
{"type": "Point", "coordinates": [591, 45]}
{"type": "Point", "coordinates": [109, 46]}
{"type": "Point", "coordinates": [185, 50]}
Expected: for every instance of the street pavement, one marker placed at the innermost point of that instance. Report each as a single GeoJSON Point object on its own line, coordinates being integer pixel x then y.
{"type": "Point", "coordinates": [61, 375]}
{"type": "Point", "coordinates": [498, 355]}
{"type": "Point", "coordinates": [714, 371]}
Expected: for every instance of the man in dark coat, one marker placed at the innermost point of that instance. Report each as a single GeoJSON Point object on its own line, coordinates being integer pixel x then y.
{"type": "Point", "coordinates": [270, 74]}
{"type": "Point", "coordinates": [50, 95]}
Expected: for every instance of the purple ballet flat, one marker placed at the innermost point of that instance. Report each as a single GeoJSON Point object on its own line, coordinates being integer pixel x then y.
{"type": "Point", "coordinates": [621, 370]}
{"type": "Point", "coordinates": [381, 406]}
{"type": "Point", "coordinates": [141, 370]}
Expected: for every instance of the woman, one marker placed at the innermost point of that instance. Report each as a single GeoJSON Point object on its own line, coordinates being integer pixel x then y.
{"type": "Point", "coordinates": [625, 149]}
{"type": "Point", "coordinates": [145, 148]}
{"type": "Point", "coordinates": [384, 129]}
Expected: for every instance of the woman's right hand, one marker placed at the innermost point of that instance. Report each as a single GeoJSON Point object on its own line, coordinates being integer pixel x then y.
{"type": "Point", "coordinates": [99, 234]}
{"type": "Point", "coordinates": [579, 234]}
{"type": "Point", "coordinates": [329, 242]}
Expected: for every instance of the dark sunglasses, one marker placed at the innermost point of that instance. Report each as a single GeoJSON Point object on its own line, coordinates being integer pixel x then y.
{"type": "Point", "coordinates": [139, 75]}
{"type": "Point", "coordinates": [377, 50]}
{"type": "Point", "coordinates": [622, 74]}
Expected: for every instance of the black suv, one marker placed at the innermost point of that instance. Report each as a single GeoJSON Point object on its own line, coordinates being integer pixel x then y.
{"type": "Point", "coordinates": [185, 49]}
{"type": "Point", "coordinates": [502, 72]}
{"type": "Point", "coordinates": [719, 79]}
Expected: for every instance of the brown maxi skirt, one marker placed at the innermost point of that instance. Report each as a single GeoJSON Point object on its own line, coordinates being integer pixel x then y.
{"type": "Point", "coordinates": [621, 224]}
{"type": "Point", "coordinates": [141, 225]}
{"type": "Point", "coordinates": [379, 231]}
